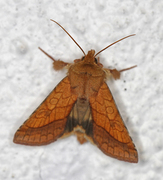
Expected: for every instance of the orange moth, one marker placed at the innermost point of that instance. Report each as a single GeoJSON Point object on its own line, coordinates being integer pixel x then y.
{"type": "Point", "coordinates": [81, 104]}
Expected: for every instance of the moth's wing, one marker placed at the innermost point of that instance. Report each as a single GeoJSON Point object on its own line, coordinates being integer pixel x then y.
{"type": "Point", "coordinates": [109, 132]}
{"type": "Point", "coordinates": [48, 121]}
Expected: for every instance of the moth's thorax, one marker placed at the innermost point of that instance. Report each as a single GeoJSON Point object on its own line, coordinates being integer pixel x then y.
{"type": "Point", "coordinates": [86, 76]}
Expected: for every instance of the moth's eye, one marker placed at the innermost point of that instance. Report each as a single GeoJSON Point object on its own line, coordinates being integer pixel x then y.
{"type": "Point", "coordinates": [82, 57]}
{"type": "Point", "coordinates": [96, 60]}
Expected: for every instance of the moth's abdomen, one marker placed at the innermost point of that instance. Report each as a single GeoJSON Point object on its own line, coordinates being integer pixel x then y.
{"type": "Point", "coordinates": [80, 118]}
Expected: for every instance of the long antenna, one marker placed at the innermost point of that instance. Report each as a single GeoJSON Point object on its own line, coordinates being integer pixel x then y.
{"type": "Point", "coordinates": [69, 35]}
{"type": "Point", "coordinates": [113, 43]}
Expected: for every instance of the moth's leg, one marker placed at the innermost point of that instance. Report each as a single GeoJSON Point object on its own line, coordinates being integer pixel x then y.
{"type": "Point", "coordinates": [57, 64]}
{"type": "Point", "coordinates": [77, 60]}
{"type": "Point", "coordinates": [116, 74]}
{"type": "Point", "coordinates": [98, 62]}
{"type": "Point", "coordinates": [80, 137]}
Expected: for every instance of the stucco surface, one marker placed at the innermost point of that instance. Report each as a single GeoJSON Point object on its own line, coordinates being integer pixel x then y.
{"type": "Point", "coordinates": [27, 77]}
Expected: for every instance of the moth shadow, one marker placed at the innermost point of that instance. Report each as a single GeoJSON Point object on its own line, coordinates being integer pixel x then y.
{"type": "Point", "coordinates": [122, 107]}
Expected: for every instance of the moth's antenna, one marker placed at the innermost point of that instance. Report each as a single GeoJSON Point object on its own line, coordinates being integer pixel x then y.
{"type": "Point", "coordinates": [69, 35]}
{"type": "Point", "coordinates": [114, 43]}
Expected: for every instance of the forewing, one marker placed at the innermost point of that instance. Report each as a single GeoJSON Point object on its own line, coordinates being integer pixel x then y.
{"type": "Point", "coordinates": [48, 121]}
{"type": "Point", "coordinates": [109, 131]}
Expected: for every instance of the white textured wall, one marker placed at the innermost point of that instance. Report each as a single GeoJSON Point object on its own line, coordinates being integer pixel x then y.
{"type": "Point", "coordinates": [26, 78]}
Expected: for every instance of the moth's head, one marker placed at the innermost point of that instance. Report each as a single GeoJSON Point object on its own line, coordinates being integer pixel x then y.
{"type": "Point", "coordinates": [89, 58]}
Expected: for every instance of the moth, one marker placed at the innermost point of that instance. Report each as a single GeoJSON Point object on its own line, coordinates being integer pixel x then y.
{"type": "Point", "coordinates": [81, 104]}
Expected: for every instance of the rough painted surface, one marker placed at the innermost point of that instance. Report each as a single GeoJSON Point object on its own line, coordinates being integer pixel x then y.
{"type": "Point", "coordinates": [26, 78]}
